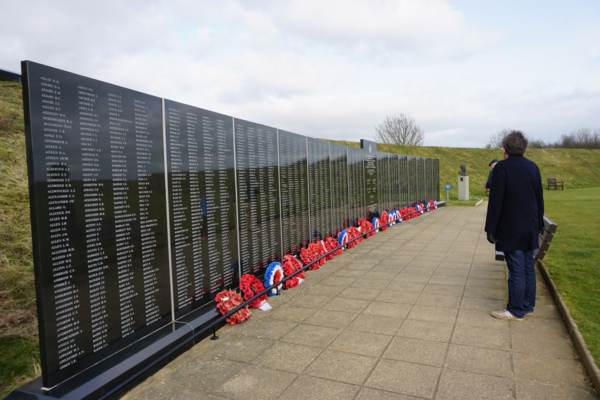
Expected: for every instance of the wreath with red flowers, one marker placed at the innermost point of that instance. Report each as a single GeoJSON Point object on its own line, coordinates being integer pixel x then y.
{"type": "Point", "coordinates": [227, 300]}
{"type": "Point", "coordinates": [383, 220]}
{"type": "Point", "coordinates": [331, 244]}
{"type": "Point", "coordinates": [366, 226]}
{"type": "Point", "coordinates": [354, 233]}
{"type": "Point", "coordinates": [318, 250]}
{"type": "Point", "coordinates": [250, 286]}
{"type": "Point", "coordinates": [288, 269]}
{"type": "Point", "coordinates": [306, 255]}
{"type": "Point", "coordinates": [294, 262]}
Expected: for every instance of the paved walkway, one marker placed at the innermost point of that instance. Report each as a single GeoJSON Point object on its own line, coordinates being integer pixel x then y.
{"type": "Point", "coordinates": [403, 315]}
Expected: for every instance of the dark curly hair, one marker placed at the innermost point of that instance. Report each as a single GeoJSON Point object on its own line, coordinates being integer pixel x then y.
{"type": "Point", "coordinates": [515, 143]}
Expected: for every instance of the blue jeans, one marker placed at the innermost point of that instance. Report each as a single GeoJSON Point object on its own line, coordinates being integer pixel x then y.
{"type": "Point", "coordinates": [521, 282]}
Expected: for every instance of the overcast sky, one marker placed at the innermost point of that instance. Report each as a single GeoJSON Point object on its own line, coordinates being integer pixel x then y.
{"type": "Point", "coordinates": [334, 69]}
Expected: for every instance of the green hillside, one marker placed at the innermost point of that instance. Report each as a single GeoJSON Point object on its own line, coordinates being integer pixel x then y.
{"type": "Point", "coordinates": [578, 168]}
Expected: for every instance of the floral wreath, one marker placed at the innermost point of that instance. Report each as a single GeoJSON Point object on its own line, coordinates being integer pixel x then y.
{"type": "Point", "coordinates": [250, 286]}
{"type": "Point", "coordinates": [376, 224]}
{"type": "Point", "coordinates": [318, 250]}
{"type": "Point", "coordinates": [420, 209]}
{"type": "Point", "coordinates": [333, 244]}
{"type": "Point", "coordinates": [274, 274]}
{"type": "Point", "coordinates": [307, 256]}
{"type": "Point", "coordinates": [343, 238]}
{"type": "Point", "coordinates": [288, 269]}
{"type": "Point", "coordinates": [228, 300]}
{"type": "Point", "coordinates": [294, 262]}
{"type": "Point", "coordinates": [366, 226]}
{"type": "Point", "coordinates": [384, 220]}
{"type": "Point", "coordinates": [354, 233]}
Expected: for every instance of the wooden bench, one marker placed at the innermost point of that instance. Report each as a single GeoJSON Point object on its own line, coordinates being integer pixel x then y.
{"type": "Point", "coordinates": [553, 184]}
{"type": "Point", "coordinates": [545, 240]}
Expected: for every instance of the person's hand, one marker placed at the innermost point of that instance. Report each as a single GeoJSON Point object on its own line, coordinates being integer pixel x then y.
{"type": "Point", "coordinates": [541, 231]}
{"type": "Point", "coordinates": [492, 238]}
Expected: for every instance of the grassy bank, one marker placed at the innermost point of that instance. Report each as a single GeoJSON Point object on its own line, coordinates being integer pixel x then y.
{"type": "Point", "coordinates": [574, 258]}
{"type": "Point", "coordinates": [19, 354]}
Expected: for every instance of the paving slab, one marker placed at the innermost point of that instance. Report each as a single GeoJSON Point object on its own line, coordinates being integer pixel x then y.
{"type": "Point", "coordinates": [404, 315]}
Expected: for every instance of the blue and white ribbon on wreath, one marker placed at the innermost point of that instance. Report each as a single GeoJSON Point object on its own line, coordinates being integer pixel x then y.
{"type": "Point", "coordinates": [420, 209]}
{"type": "Point", "coordinates": [343, 239]}
{"type": "Point", "coordinates": [270, 275]}
{"type": "Point", "coordinates": [435, 204]}
{"type": "Point", "coordinates": [399, 215]}
{"type": "Point", "coordinates": [376, 224]}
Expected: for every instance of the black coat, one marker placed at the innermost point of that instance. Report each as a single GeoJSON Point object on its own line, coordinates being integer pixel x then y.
{"type": "Point", "coordinates": [516, 208]}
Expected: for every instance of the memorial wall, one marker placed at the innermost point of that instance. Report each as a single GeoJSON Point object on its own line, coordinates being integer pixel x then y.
{"type": "Point", "coordinates": [144, 208]}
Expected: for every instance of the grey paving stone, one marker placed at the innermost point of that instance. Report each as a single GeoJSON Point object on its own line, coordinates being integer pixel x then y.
{"type": "Point", "coordinates": [448, 280]}
{"type": "Point", "coordinates": [485, 305]}
{"type": "Point", "coordinates": [382, 309]}
{"type": "Point", "coordinates": [287, 357]}
{"type": "Point", "coordinates": [436, 300]}
{"type": "Point", "coordinates": [552, 371]}
{"type": "Point", "coordinates": [434, 331]}
{"type": "Point", "coordinates": [359, 293]}
{"type": "Point", "coordinates": [311, 301]}
{"type": "Point", "coordinates": [445, 290]}
{"type": "Point", "coordinates": [342, 367]}
{"type": "Point", "coordinates": [433, 314]}
{"type": "Point", "coordinates": [337, 281]}
{"type": "Point", "coordinates": [237, 348]}
{"type": "Point", "coordinates": [163, 390]}
{"type": "Point", "coordinates": [376, 324]}
{"type": "Point", "coordinates": [538, 391]}
{"type": "Point", "coordinates": [406, 378]}
{"type": "Point", "coordinates": [401, 286]}
{"type": "Point", "coordinates": [417, 351]}
{"type": "Point", "coordinates": [323, 290]}
{"type": "Point", "coordinates": [482, 319]}
{"type": "Point", "coordinates": [543, 345]}
{"type": "Point", "coordinates": [350, 273]}
{"type": "Point", "coordinates": [543, 326]}
{"type": "Point", "coordinates": [348, 305]}
{"type": "Point", "coordinates": [291, 313]}
{"type": "Point", "coordinates": [479, 360]}
{"type": "Point", "coordinates": [383, 276]}
{"type": "Point", "coordinates": [264, 328]}
{"type": "Point", "coordinates": [488, 274]}
{"type": "Point", "coordinates": [364, 343]}
{"type": "Point", "coordinates": [413, 278]}
{"type": "Point", "coordinates": [487, 283]}
{"type": "Point", "coordinates": [459, 273]}
{"type": "Point", "coordinates": [391, 296]}
{"type": "Point", "coordinates": [374, 394]}
{"type": "Point", "coordinates": [332, 319]}
{"type": "Point", "coordinates": [254, 382]}
{"type": "Point", "coordinates": [311, 335]}
{"type": "Point", "coordinates": [460, 385]}
{"type": "Point", "coordinates": [311, 388]}
{"type": "Point", "coordinates": [411, 269]}
{"type": "Point", "coordinates": [481, 337]}
{"type": "Point", "coordinates": [485, 293]}
{"type": "Point", "coordinates": [370, 284]}
{"type": "Point", "coordinates": [543, 310]}
{"type": "Point", "coordinates": [214, 373]}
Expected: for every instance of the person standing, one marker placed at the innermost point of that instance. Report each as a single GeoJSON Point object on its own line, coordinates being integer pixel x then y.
{"type": "Point", "coordinates": [514, 218]}
{"type": "Point", "coordinates": [492, 164]}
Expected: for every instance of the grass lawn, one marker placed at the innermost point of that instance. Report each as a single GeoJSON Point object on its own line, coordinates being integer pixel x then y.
{"type": "Point", "coordinates": [574, 257]}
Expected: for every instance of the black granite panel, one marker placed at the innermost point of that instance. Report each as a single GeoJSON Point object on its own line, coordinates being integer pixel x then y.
{"type": "Point", "coordinates": [200, 165]}
{"type": "Point", "coordinates": [294, 191]}
{"type": "Point", "coordinates": [370, 164]}
{"type": "Point", "coordinates": [258, 195]}
{"type": "Point", "coordinates": [412, 180]}
{"type": "Point", "coordinates": [436, 179]}
{"type": "Point", "coordinates": [338, 161]}
{"type": "Point", "coordinates": [403, 179]}
{"type": "Point", "coordinates": [97, 193]}
{"type": "Point", "coordinates": [356, 178]}
{"type": "Point", "coordinates": [395, 181]}
{"type": "Point", "coordinates": [319, 188]}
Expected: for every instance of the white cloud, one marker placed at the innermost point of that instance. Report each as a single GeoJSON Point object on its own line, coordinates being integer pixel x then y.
{"type": "Point", "coordinates": [327, 68]}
